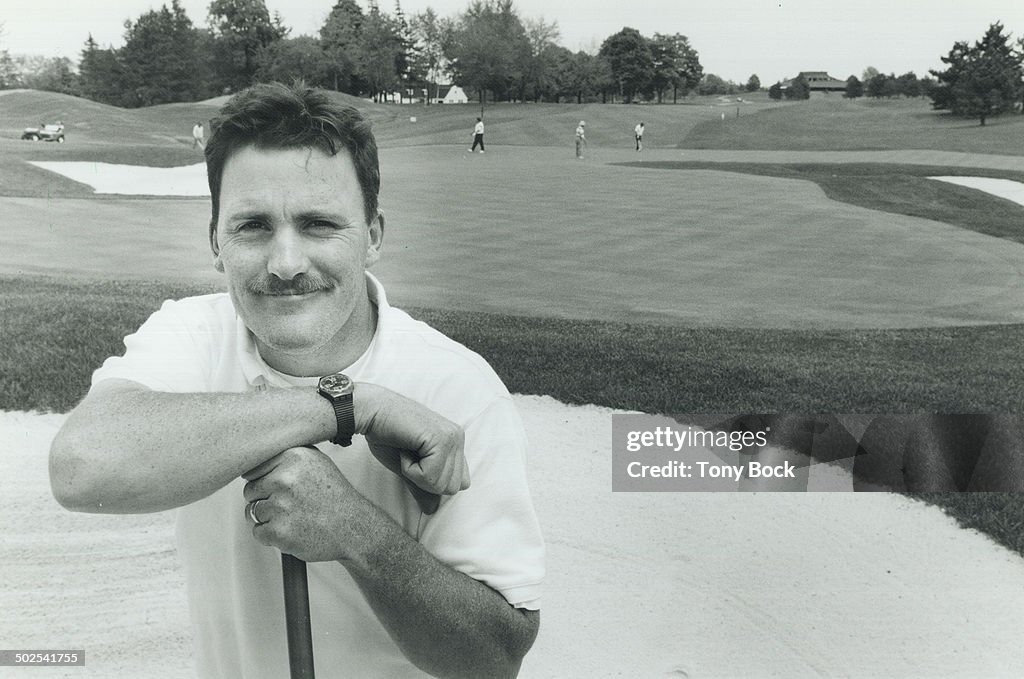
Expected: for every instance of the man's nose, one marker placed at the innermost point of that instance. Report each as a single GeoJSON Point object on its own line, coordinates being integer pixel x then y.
{"type": "Point", "coordinates": [287, 258]}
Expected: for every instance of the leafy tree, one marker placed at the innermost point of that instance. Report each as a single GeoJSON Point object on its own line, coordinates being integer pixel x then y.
{"type": "Point", "coordinates": [581, 75]}
{"type": "Point", "coordinates": [882, 85]}
{"type": "Point", "coordinates": [629, 55]}
{"type": "Point", "coordinates": [243, 28]}
{"type": "Point", "coordinates": [340, 37]}
{"type": "Point", "coordinates": [927, 85]}
{"type": "Point", "coordinates": [798, 88]}
{"type": "Point", "coordinates": [293, 59]}
{"type": "Point", "coordinates": [869, 73]}
{"type": "Point", "coordinates": [433, 35]}
{"type": "Point", "coordinates": [854, 88]}
{"type": "Point", "coordinates": [775, 91]}
{"type": "Point", "coordinates": [540, 72]}
{"type": "Point", "coordinates": [9, 76]}
{"type": "Point", "coordinates": [981, 80]}
{"type": "Point", "coordinates": [8, 70]}
{"type": "Point", "coordinates": [489, 48]}
{"type": "Point", "coordinates": [908, 85]}
{"type": "Point", "coordinates": [753, 84]}
{"type": "Point", "coordinates": [53, 74]}
{"type": "Point", "coordinates": [713, 84]}
{"type": "Point", "coordinates": [676, 65]}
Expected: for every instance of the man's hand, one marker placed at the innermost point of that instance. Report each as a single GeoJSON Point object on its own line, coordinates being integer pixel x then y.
{"type": "Point", "coordinates": [306, 507]}
{"type": "Point", "coordinates": [414, 442]}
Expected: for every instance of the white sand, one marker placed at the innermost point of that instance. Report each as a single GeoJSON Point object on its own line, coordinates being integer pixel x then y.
{"type": "Point", "coordinates": [639, 584]}
{"type": "Point", "coordinates": [1004, 188]}
{"type": "Point", "coordinates": [134, 180]}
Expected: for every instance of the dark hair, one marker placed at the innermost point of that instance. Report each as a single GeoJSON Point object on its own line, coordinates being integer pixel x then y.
{"type": "Point", "coordinates": [277, 116]}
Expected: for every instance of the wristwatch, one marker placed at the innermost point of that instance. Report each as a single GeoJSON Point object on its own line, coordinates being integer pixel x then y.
{"type": "Point", "coordinates": [337, 389]}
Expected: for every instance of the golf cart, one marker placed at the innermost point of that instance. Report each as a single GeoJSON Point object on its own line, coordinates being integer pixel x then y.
{"type": "Point", "coordinates": [53, 132]}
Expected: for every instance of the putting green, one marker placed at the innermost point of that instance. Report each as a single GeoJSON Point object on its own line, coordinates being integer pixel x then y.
{"type": "Point", "coordinates": [533, 231]}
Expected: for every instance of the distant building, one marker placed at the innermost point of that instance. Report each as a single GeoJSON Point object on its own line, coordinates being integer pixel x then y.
{"type": "Point", "coordinates": [818, 81]}
{"type": "Point", "coordinates": [451, 94]}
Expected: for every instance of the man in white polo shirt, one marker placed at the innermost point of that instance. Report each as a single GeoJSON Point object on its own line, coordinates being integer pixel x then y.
{"type": "Point", "coordinates": [345, 417]}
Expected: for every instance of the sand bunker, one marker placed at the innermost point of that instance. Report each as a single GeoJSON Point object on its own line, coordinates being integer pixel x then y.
{"type": "Point", "coordinates": [134, 180]}
{"type": "Point", "coordinates": [639, 584]}
{"type": "Point", "coordinates": [1004, 188]}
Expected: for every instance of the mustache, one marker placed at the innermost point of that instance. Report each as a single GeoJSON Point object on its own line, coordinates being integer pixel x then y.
{"type": "Point", "coordinates": [300, 285]}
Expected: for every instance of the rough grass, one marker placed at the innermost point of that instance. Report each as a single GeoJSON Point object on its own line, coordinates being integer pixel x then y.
{"type": "Point", "coordinates": [899, 189]}
{"type": "Point", "coordinates": [55, 333]}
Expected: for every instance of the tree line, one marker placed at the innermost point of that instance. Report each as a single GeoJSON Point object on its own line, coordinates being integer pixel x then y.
{"type": "Point", "coordinates": [488, 49]}
{"type": "Point", "coordinates": [981, 80]}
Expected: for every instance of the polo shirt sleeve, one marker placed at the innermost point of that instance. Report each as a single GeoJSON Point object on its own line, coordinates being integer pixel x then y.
{"type": "Point", "coordinates": [490, 531]}
{"type": "Point", "coordinates": [167, 353]}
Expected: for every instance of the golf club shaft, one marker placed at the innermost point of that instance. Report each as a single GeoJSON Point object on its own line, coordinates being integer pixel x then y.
{"type": "Point", "coordinates": [296, 612]}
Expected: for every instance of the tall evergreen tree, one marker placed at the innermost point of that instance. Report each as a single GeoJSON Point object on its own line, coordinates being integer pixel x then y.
{"type": "Point", "coordinates": [340, 38]}
{"type": "Point", "coordinates": [158, 60]}
{"type": "Point", "coordinates": [99, 73]}
{"type": "Point", "coordinates": [981, 80]}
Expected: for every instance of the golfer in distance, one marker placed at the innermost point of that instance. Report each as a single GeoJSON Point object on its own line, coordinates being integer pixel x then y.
{"type": "Point", "coordinates": [300, 412]}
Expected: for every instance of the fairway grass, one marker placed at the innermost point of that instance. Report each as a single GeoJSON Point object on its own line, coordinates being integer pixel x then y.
{"type": "Point", "coordinates": [894, 188]}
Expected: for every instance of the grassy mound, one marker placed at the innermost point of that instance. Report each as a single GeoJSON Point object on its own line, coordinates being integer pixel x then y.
{"type": "Point", "coordinates": [833, 123]}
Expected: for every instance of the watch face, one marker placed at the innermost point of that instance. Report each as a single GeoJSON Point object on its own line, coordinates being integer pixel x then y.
{"type": "Point", "coordinates": [336, 385]}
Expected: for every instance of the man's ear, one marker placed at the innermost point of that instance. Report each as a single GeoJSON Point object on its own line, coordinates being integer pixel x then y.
{"type": "Point", "coordinates": [215, 247]}
{"type": "Point", "coordinates": [376, 240]}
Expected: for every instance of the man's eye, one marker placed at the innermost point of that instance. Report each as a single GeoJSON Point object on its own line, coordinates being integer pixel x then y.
{"type": "Point", "coordinates": [250, 226]}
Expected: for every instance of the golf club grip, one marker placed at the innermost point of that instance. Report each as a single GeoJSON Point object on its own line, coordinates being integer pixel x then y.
{"type": "Point", "coordinates": [296, 614]}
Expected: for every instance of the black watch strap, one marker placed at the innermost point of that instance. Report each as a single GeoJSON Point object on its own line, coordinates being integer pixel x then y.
{"type": "Point", "coordinates": [345, 414]}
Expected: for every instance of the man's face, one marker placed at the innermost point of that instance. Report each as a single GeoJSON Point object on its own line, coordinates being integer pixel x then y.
{"type": "Point", "coordinates": [293, 239]}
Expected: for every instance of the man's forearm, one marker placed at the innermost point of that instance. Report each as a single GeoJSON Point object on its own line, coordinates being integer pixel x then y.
{"type": "Point", "coordinates": [445, 622]}
{"type": "Point", "coordinates": [135, 450]}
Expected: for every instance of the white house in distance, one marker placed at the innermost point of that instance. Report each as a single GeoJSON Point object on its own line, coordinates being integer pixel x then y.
{"type": "Point", "coordinates": [451, 94]}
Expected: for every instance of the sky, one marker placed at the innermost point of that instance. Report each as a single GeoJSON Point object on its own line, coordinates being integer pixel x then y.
{"type": "Point", "coordinates": [774, 39]}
